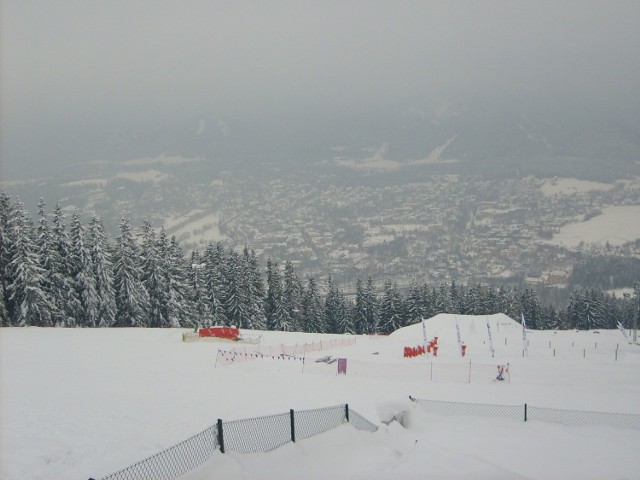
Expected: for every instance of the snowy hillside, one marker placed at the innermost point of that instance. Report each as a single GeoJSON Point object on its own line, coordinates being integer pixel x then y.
{"type": "Point", "coordinates": [80, 403]}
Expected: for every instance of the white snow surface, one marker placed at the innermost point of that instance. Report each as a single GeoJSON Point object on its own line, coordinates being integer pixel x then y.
{"type": "Point", "coordinates": [80, 403]}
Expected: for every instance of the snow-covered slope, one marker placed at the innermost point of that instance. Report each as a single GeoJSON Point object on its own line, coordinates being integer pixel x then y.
{"type": "Point", "coordinates": [80, 403]}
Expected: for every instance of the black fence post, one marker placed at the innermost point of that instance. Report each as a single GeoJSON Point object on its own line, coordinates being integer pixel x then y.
{"type": "Point", "coordinates": [346, 411]}
{"type": "Point", "coordinates": [525, 412]}
{"type": "Point", "coordinates": [293, 426]}
{"type": "Point", "coordinates": [220, 436]}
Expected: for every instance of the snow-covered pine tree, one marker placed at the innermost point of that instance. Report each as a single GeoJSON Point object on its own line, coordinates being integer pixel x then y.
{"type": "Point", "coordinates": [153, 278]}
{"type": "Point", "coordinates": [313, 319]}
{"type": "Point", "coordinates": [102, 272]}
{"type": "Point", "coordinates": [235, 304]}
{"type": "Point", "coordinates": [292, 296]}
{"type": "Point", "coordinates": [65, 295]}
{"type": "Point", "coordinates": [255, 293]}
{"type": "Point", "coordinates": [415, 304]}
{"type": "Point", "coordinates": [49, 263]}
{"type": "Point", "coordinates": [331, 307]}
{"type": "Point", "coordinates": [339, 319]}
{"type": "Point", "coordinates": [214, 285]}
{"type": "Point", "coordinates": [81, 267]}
{"type": "Point", "coordinates": [196, 288]}
{"type": "Point", "coordinates": [29, 302]}
{"type": "Point", "coordinates": [180, 311]}
{"type": "Point", "coordinates": [277, 318]}
{"type": "Point", "coordinates": [131, 296]}
{"type": "Point", "coordinates": [359, 312]}
{"type": "Point", "coordinates": [391, 308]}
{"type": "Point", "coordinates": [6, 209]}
{"type": "Point", "coordinates": [371, 309]}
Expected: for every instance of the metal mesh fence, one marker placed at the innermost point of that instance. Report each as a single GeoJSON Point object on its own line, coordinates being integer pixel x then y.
{"type": "Point", "coordinates": [361, 423]}
{"type": "Point", "coordinates": [174, 461]}
{"type": "Point", "coordinates": [527, 413]}
{"type": "Point", "coordinates": [260, 434]}
{"type": "Point", "coordinates": [438, 407]}
{"type": "Point", "coordinates": [574, 417]}
{"type": "Point", "coordinates": [312, 422]}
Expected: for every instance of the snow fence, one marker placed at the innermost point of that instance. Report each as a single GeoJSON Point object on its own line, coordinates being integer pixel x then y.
{"type": "Point", "coordinates": [260, 434]}
{"type": "Point", "coordinates": [528, 413]}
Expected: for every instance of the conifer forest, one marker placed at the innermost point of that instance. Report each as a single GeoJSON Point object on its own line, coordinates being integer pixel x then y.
{"type": "Point", "coordinates": [60, 270]}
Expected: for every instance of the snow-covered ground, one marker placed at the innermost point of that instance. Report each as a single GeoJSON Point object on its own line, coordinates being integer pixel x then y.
{"type": "Point", "coordinates": [616, 225]}
{"type": "Point", "coordinates": [80, 403]}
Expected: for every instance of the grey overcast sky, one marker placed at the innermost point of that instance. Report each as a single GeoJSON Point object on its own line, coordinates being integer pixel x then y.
{"type": "Point", "coordinates": [67, 64]}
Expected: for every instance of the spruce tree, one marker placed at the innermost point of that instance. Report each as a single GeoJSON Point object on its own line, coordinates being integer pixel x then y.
{"type": "Point", "coordinates": [254, 291]}
{"type": "Point", "coordinates": [196, 288]}
{"type": "Point", "coordinates": [214, 286]}
{"type": "Point", "coordinates": [131, 296]}
{"type": "Point", "coordinates": [235, 304]}
{"type": "Point", "coordinates": [65, 296]}
{"type": "Point", "coordinates": [292, 296]}
{"type": "Point", "coordinates": [276, 314]}
{"type": "Point", "coordinates": [312, 312]}
{"type": "Point", "coordinates": [28, 300]}
{"type": "Point", "coordinates": [81, 268]}
{"type": "Point", "coordinates": [153, 278]}
{"type": "Point", "coordinates": [180, 311]}
{"type": "Point", "coordinates": [6, 207]}
{"type": "Point", "coordinates": [102, 273]}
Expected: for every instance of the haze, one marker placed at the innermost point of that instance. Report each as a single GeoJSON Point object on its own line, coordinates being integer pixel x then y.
{"type": "Point", "coordinates": [81, 81]}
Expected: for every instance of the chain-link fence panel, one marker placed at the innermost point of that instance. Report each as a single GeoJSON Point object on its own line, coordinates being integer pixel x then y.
{"type": "Point", "coordinates": [361, 423]}
{"type": "Point", "coordinates": [260, 434]}
{"type": "Point", "coordinates": [312, 422]}
{"type": "Point", "coordinates": [438, 407]}
{"type": "Point", "coordinates": [173, 461]}
{"type": "Point", "coordinates": [574, 417]}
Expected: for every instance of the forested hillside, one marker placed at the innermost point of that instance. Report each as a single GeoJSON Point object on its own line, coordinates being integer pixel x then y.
{"type": "Point", "coordinates": [59, 271]}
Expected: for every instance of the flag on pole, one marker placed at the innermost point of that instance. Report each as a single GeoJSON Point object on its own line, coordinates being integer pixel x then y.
{"type": "Point", "coordinates": [624, 332]}
{"type": "Point", "coordinates": [490, 338]}
{"type": "Point", "coordinates": [424, 336]}
{"type": "Point", "coordinates": [459, 339]}
{"type": "Point", "coordinates": [525, 341]}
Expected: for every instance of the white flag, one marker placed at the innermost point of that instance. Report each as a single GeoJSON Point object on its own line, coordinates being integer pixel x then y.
{"type": "Point", "coordinates": [525, 342]}
{"type": "Point", "coordinates": [624, 332]}
{"type": "Point", "coordinates": [490, 338]}
{"type": "Point", "coordinates": [459, 339]}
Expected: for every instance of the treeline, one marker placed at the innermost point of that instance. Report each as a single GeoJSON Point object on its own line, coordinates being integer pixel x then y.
{"type": "Point", "coordinates": [54, 274]}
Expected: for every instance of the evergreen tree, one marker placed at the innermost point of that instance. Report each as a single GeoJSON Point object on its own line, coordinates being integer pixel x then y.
{"type": "Point", "coordinates": [179, 307]}
{"type": "Point", "coordinates": [196, 288]}
{"type": "Point", "coordinates": [371, 308]}
{"type": "Point", "coordinates": [235, 301]}
{"type": "Point", "coordinates": [255, 292]}
{"type": "Point", "coordinates": [52, 280]}
{"type": "Point", "coordinates": [81, 267]}
{"type": "Point", "coordinates": [312, 311]}
{"type": "Point", "coordinates": [153, 278]}
{"type": "Point", "coordinates": [331, 307]}
{"type": "Point", "coordinates": [415, 310]}
{"type": "Point", "coordinates": [103, 273]}
{"type": "Point", "coordinates": [6, 208]}
{"type": "Point", "coordinates": [28, 300]}
{"type": "Point", "coordinates": [391, 308]}
{"type": "Point", "coordinates": [276, 314]}
{"type": "Point", "coordinates": [65, 295]}
{"type": "Point", "coordinates": [214, 285]}
{"type": "Point", "coordinates": [359, 312]}
{"type": "Point", "coordinates": [292, 296]}
{"type": "Point", "coordinates": [531, 309]}
{"type": "Point", "coordinates": [131, 296]}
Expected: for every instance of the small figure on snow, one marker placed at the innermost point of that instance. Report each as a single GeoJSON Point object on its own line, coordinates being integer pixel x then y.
{"type": "Point", "coordinates": [500, 376]}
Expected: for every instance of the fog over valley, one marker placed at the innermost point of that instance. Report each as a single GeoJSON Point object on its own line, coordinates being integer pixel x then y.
{"type": "Point", "coordinates": [493, 142]}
